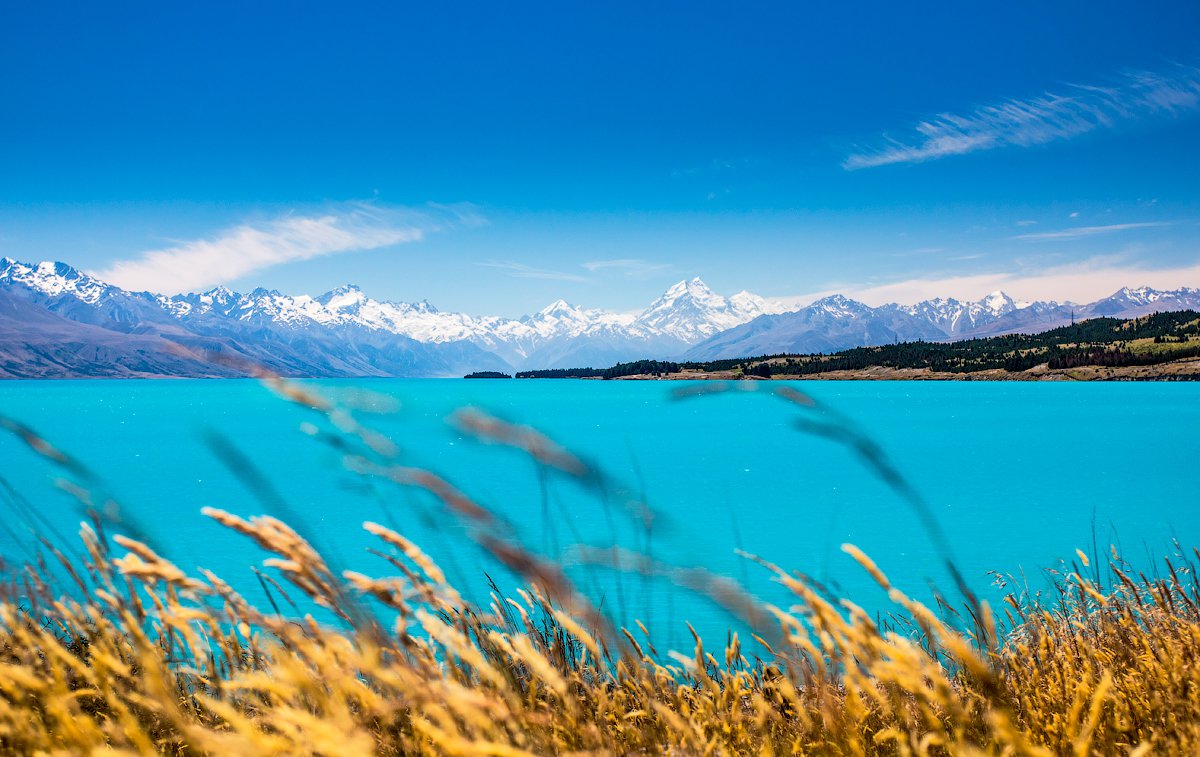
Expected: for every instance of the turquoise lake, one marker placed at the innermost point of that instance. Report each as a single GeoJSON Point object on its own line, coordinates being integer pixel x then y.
{"type": "Point", "coordinates": [1018, 475]}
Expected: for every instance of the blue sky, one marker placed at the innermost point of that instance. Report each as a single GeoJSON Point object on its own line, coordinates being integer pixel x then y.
{"type": "Point", "coordinates": [493, 157]}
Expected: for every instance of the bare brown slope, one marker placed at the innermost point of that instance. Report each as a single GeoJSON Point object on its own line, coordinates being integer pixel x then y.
{"type": "Point", "coordinates": [35, 343]}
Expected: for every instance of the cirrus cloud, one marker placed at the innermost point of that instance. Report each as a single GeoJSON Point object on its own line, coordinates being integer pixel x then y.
{"type": "Point", "coordinates": [523, 271]}
{"type": "Point", "coordinates": [1049, 117]}
{"type": "Point", "coordinates": [1080, 232]}
{"type": "Point", "coordinates": [632, 267]}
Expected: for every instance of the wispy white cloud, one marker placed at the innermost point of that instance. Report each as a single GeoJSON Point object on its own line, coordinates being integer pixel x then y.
{"type": "Point", "coordinates": [1087, 231]}
{"type": "Point", "coordinates": [1082, 281]}
{"type": "Point", "coordinates": [632, 267]}
{"type": "Point", "coordinates": [523, 271]}
{"type": "Point", "coordinates": [1027, 223]}
{"type": "Point", "coordinates": [250, 247]}
{"type": "Point", "coordinates": [1049, 117]}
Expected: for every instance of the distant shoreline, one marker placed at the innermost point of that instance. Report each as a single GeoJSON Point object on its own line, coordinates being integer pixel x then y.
{"type": "Point", "coordinates": [1179, 370]}
{"type": "Point", "coordinates": [1157, 347]}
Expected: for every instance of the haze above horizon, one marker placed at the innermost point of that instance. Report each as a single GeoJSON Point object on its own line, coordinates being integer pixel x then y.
{"type": "Point", "coordinates": [493, 159]}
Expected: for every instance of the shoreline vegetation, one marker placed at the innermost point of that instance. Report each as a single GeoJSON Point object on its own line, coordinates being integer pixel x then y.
{"type": "Point", "coordinates": [1158, 347]}
{"type": "Point", "coordinates": [115, 649]}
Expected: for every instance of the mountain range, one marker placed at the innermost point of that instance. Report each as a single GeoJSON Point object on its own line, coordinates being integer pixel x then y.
{"type": "Point", "coordinates": [836, 323]}
{"type": "Point", "coordinates": [56, 321]}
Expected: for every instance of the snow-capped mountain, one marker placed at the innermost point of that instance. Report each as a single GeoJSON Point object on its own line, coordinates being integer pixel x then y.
{"type": "Point", "coordinates": [212, 331]}
{"type": "Point", "coordinates": [559, 335]}
{"type": "Point", "coordinates": [1145, 300]}
{"type": "Point", "coordinates": [827, 325]}
{"type": "Point", "coordinates": [837, 323]}
{"type": "Point", "coordinates": [690, 311]}
{"type": "Point", "coordinates": [325, 335]}
{"type": "Point", "coordinates": [954, 317]}
{"type": "Point", "coordinates": [75, 324]}
{"type": "Point", "coordinates": [53, 280]}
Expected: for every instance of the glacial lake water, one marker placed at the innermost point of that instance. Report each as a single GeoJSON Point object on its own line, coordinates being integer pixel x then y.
{"type": "Point", "coordinates": [1018, 475]}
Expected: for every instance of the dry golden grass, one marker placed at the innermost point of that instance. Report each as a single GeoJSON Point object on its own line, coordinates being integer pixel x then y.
{"type": "Point", "coordinates": [134, 656]}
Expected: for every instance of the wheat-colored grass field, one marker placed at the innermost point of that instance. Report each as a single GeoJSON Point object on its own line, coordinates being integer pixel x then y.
{"type": "Point", "coordinates": [115, 650]}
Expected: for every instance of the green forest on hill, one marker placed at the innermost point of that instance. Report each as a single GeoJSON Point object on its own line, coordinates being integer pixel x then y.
{"type": "Point", "coordinates": [1111, 342]}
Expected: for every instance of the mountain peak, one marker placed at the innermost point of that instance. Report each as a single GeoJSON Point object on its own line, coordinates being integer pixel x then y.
{"type": "Point", "coordinates": [998, 302]}
{"type": "Point", "coordinates": [11, 269]}
{"type": "Point", "coordinates": [54, 279]}
{"type": "Point", "coordinates": [839, 301]}
{"type": "Point", "coordinates": [559, 308]}
{"type": "Point", "coordinates": [345, 296]}
{"type": "Point", "coordinates": [1142, 295]}
{"type": "Point", "coordinates": [689, 293]}
{"type": "Point", "coordinates": [690, 311]}
{"type": "Point", "coordinates": [218, 295]}
{"type": "Point", "coordinates": [56, 268]}
{"type": "Point", "coordinates": [694, 286]}
{"type": "Point", "coordinates": [559, 318]}
{"type": "Point", "coordinates": [747, 300]}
